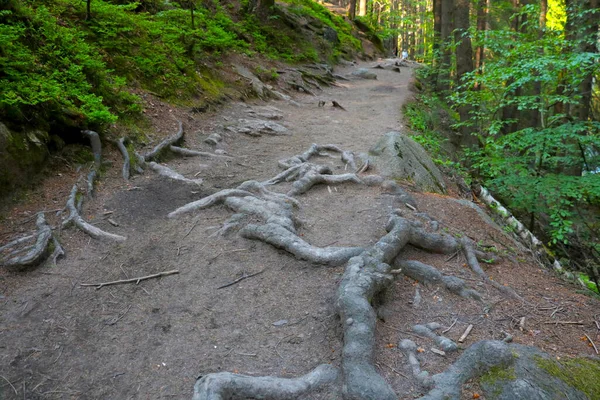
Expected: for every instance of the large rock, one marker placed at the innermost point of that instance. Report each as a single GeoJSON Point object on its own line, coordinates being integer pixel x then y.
{"type": "Point", "coordinates": [22, 155]}
{"type": "Point", "coordinates": [363, 73]}
{"type": "Point", "coordinates": [258, 87]}
{"type": "Point", "coordinates": [396, 156]}
{"type": "Point", "coordinates": [257, 127]}
{"type": "Point", "coordinates": [531, 377]}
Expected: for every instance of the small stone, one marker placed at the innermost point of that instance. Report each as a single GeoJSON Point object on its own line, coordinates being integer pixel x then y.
{"type": "Point", "coordinates": [349, 321]}
{"type": "Point", "coordinates": [280, 322]}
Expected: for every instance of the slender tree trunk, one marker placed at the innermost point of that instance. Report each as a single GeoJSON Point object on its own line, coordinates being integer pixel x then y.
{"type": "Point", "coordinates": [446, 28]}
{"type": "Point", "coordinates": [352, 9]}
{"type": "Point", "coordinates": [464, 64]}
{"type": "Point", "coordinates": [362, 8]}
{"type": "Point", "coordinates": [88, 10]}
{"type": "Point", "coordinates": [481, 29]}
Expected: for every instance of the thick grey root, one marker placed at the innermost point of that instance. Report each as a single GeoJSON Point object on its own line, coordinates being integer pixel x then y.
{"type": "Point", "coordinates": [283, 176]}
{"type": "Point", "coordinates": [35, 253]}
{"type": "Point", "coordinates": [96, 146]}
{"type": "Point", "coordinates": [209, 201]}
{"type": "Point", "coordinates": [475, 361]}
{"type": "Point", "coordinates": [171, 140]}
{"type": "Point", "coordinates": [428, 331]}
{"type": "Point", "coordinates": [91, 180]}
{"type": "Point", "coordinates": [409, 348]}
{"type": "Point", "coordinates": [169, 173]}
{"type": "Point", "coordinates": [228, 386]}
{"type": "Point", "coordinates": [427, 274]}
{"type": "Point", "coordinates": [365, 276]}
{"type": "Point", "coordinates": [315, 149]}
{"type": "Point", "coordinates": [280, 237]}
{"type": "Point", "coordinates": [270, 212]}
{"type": "Point", "coordinates": [312, 178]}
{"type": "Point", "coordinates": [474, 264]}
{"type": "Point", "coordinates": [91, 230]}
{"type": "Point", "coordinates": [193, 153]}
{"type": "Point", "coordinates": [126, 163]}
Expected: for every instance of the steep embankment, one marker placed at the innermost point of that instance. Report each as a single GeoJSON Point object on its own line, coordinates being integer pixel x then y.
{"type": "Point", "coordinates": [64, 71]}
{"type": "Point", "coordinates": [238, 304]}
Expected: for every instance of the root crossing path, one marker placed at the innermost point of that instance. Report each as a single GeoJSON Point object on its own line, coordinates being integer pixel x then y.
{"type": "Point", "coordinates": [302, 274]}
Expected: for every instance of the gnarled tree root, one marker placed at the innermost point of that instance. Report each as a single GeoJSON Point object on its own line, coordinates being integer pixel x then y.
{"type": "Point", "coordinates": [427, 274]}
{"type": "Point", "coordinates": [171, 140]}
{"type": "Point", "coordinates": [280, 237]}
{"type": "Point", "coordinates": [365, 276]}
{"type": "Point", "coordinates": [194, 153]}
{"type": "Point", "coordinates": [35, 253]}
{"type": "Point", "coordinates": [312, 178]}
{"type": "Point", "coordinates": [478, 359]}
{"type": "Point", "coordinates": [79, 222]}
{"type": "Point", "coordinates": [126, 160]}
{"type": "Point", "coordinates": [226, 386]}
{"type": "Point", "coordinates": [169, 173]}
{"type": "Point", "coordinates": [427, 330]}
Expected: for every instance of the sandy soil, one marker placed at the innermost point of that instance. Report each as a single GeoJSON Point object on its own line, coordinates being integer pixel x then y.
{"type": "Point", "coordinates": [59, 340]}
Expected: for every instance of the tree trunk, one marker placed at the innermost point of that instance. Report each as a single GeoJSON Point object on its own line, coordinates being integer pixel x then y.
{"type": "Point", "coordinates": [88, 10]}
{"type": "Point", "coordinates": [481, 29]}
{"type": "Point", "coordinates": [352, 9]}
{"type": "Point", "coordinates": [446, 28]}
{"type": "Point", "coordinates": [464, 64]}
{"type": "Point", "coordinates": [362, 8]}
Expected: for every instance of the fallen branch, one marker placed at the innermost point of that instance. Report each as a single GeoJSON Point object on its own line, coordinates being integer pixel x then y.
{"type": "Point", "coordinates": [132, 280]}
{"type": "Point", "coordinates": [564, 322]}
{"type": "Point", "coordinates": [241, 278]}
{"type": "Point", "coordinates": [464, 335]}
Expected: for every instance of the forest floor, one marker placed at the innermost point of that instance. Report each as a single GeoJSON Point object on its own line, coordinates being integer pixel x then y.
{"type": "Point", "coordinates": [61, 340]}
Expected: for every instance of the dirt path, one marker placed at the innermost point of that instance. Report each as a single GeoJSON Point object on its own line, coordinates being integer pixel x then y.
{"type": "Point", "coordinates": [152, 340]}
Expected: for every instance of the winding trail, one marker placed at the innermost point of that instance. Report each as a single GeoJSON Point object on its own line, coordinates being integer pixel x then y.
{"type": "Point", "coordinates": [152, 340]}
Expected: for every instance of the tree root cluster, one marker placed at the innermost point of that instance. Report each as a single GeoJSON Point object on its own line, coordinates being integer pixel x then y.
{"type": "Point", "coordinates": [47, 236]}
{"type": "Point", "coordinates": [368, 271]}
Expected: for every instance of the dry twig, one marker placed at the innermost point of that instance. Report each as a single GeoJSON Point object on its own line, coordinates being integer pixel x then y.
{"type": "Point", "coordinates": [592, 342]}
{"type": "Point", "coordinates": [132, 280]}
{"type": "Point", "coordinates": [241, 278]}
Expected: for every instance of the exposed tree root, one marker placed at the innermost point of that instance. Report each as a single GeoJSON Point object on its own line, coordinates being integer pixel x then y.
{"type": "Point", "coordinates": [126, 163]}
{"type": "Point", "coordinates": [427, 330]}
{"type": "Point", "coordinates": [409, 348]}
{"type": "Point", "coordinates": [478, 359]}
{"type": "Point", "coordinates": [365, 276]}
{"type": "Point", "coordinates": [225, 385]}
{"type": "Point", "coordinates": [427, 274]}
{"type": "Point", "coordinates": [169, 173]}
{"type": "Point", "coordinates": [91, 230]}
{"type": "Point", "coordinates": [193, 153]}
{"type": "Point", "coordinates": [474, 264]}
{"type": "Point", "coordinates": [280, 237]}
{"type": "Point", "coordinates": [96, 146]}
{"type": "Point", "coordinates": [165, 144]}
{"type": "Point", "coordinates": [36, 253]}
{"type": "Point", "coordinates": [208, 201]}
{"type": "Point", "coordinates": [313, 178]}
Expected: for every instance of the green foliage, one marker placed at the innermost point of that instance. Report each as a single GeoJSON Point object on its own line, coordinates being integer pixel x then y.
{"type": "Point", "coordinates": [53, 61]}
{"type": "Point", "coordinates": [47, 67]}
{"type": "Point", "coordinates": [547, 171]}
{"type": "Point", "coordinates": [588, 283]}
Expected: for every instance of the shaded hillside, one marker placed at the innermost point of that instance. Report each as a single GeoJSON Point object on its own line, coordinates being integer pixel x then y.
{"type": "Point", "coordinates": [62, 71]}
